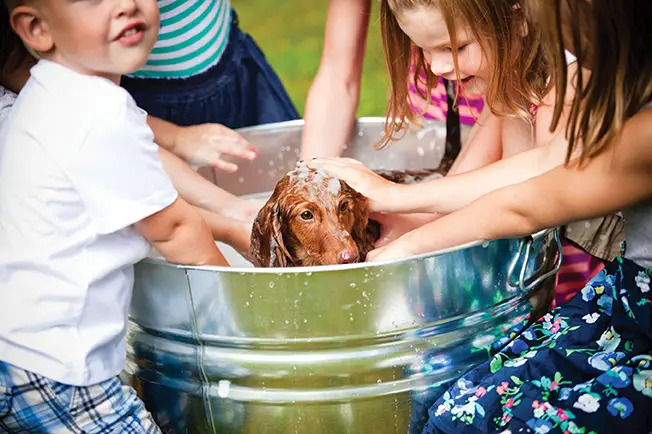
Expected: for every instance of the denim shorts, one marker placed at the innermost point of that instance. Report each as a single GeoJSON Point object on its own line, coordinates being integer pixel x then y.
{"type": "Point", "coordinates": [241, 90]}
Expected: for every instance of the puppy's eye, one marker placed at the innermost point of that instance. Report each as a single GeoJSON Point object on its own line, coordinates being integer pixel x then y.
{"type": "Point", "coordinates": [306, 215]}
{"type": "Point", "coordinates": [344, 206]}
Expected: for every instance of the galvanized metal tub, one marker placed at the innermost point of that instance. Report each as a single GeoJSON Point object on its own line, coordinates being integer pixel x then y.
{"type": "Point", "coordinates": [361, 348]}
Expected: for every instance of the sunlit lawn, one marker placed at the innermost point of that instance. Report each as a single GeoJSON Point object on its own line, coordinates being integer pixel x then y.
{"type": "Point", "coordinates": [290, 33]}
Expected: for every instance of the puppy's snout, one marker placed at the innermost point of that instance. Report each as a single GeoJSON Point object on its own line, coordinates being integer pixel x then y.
{"type": "Point", "coordinates": [347, 257]}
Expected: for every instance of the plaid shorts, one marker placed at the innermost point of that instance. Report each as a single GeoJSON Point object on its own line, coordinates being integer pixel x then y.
{"type": "Point", "coordinates": [33, 403]}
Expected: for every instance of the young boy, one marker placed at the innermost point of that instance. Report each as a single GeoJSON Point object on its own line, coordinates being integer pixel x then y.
{"type": "Point", "coordinates": [83, 195]}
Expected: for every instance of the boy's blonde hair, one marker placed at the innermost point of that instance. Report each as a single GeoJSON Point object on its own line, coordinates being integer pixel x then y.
{"type": "Point", "coordinates": [612, 39]}
{"type": "Point", "coordinates": [519, 76]}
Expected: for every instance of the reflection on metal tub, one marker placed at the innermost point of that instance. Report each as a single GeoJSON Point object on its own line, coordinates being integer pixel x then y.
{"type": "Point", "coordinates": [361, 348]}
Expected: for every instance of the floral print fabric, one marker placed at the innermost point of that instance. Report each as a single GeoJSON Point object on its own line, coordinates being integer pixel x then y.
{"type": "Point", "coordinates": [586, 367]}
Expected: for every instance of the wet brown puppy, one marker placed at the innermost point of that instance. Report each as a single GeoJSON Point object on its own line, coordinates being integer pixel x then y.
{"type": "Point", "coordinates": [311, 219]}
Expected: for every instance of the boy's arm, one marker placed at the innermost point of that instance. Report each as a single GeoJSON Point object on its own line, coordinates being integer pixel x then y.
{"type": "Point", "coordinates": [235, 233]}
{"type": "Point", "coordinates": [180, 234]}
{"type": "Point", "coordinates": [192, 186]}
{"type": "Point", "coordinates": [334, 94]}
{"type": "Point", "coordinates": [202, 193]}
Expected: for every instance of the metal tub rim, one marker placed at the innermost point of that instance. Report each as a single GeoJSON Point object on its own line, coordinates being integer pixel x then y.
{"type": "Point", "coordinates": [339, 267]}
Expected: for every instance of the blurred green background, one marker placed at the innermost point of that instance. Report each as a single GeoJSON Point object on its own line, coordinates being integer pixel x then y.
{"type": "Point", "coordinates": [291, 33]}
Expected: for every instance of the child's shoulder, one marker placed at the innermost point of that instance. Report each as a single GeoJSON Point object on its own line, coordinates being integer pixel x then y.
{"type": "Point", "coordinates": [64, 109]}
{"type": "Point", "coordinates": [66, 92]}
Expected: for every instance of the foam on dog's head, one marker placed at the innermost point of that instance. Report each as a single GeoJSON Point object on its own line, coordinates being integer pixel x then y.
{"type": "Point", "coordinates": [316, 181]}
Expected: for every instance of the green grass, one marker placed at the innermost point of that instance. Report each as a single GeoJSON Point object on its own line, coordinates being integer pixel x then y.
{"type": "Point", "coordinates": [291, 32]}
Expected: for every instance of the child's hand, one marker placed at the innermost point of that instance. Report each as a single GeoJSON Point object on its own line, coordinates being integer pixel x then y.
{"type": "Point", "coordinates": [393, 226]}
{"type": "Point", "coordinates": [203, 145]}
{"type": "Point", "coordinates": [397, 249]}
{"type": "Point", "coordinates": [358, 177]}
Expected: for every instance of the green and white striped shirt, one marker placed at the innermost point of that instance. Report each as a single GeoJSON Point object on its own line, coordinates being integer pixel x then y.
{"type": "Point", "coordinates": [193, 37]}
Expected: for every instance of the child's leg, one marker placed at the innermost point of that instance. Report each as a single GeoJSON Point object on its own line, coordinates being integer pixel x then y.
{"type": "Point", "coordinates": [32, 403]}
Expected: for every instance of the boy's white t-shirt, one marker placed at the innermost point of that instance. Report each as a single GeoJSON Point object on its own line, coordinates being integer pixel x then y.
{"type": "Point", "coordinates": [78, 167]}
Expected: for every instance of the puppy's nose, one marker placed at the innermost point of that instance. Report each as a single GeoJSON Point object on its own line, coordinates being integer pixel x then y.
{"type": "Point", "coordinates": [347, 257]}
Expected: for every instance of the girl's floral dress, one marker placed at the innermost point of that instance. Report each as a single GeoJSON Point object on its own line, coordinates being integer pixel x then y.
{"type": "Point", "coordinates": [586, 367]}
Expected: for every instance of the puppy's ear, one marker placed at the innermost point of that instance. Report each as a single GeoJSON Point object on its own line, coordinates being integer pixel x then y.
{"type": "Point", "coordinates": [360, 232]}
{"type": "Point", "coordinates": [267, 246]}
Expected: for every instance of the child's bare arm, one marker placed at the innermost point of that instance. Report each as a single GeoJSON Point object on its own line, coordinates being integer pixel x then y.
{"type": "Point", "coordinates": [483, 145]}
{"type": "Point", "coordinates": [180, 234]}
{"type": "Point", "coordinates": [202, 193]}
{"type": "Point", "coordinates": [334, 94]}
{"type": "Point", "coordinates": [233, 232]}
{"type": "Point", "coordinates": [615, 179]}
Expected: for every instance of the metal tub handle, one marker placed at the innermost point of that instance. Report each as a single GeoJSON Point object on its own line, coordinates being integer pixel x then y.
{"type": "Point", "coordinates": [527, 284]}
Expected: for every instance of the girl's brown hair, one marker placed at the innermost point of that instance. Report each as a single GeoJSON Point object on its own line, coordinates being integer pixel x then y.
{"type": "Point", "coordinates": [612, 39]}
{"type": "Point", "coordinates": [519, 77]}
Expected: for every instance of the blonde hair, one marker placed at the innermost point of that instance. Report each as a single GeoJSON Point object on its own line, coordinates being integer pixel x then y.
{"type": "Point", "coordinates": [611, 38]}
{"type": "Point", "coordinates": [520, 72]}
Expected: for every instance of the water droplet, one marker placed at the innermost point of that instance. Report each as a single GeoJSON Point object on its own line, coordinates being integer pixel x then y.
{"type": "Point", "coordinates": [352, 285]}
{"type": "Point", "coordinates": [241, 180]}
{"type": "Point", "coordinates": [305, 320]}
{"type": "Point", "coordinates": [309, 273]}
{"type": "Point", "coordinates": [287, 321]}
{"type": "Point", "coordinates": [271, 284]}
{"type": "Point", "coordinates": [247, 304]}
